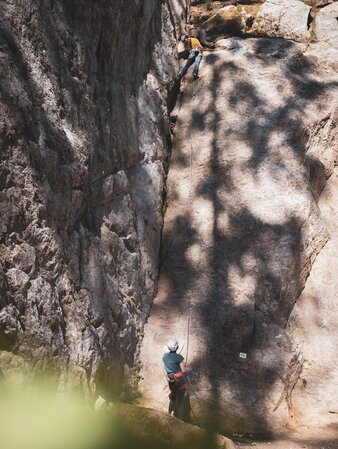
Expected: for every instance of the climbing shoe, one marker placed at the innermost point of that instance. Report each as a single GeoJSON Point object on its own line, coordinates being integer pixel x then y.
{"type": "Point", "coordinates": [195, 76]}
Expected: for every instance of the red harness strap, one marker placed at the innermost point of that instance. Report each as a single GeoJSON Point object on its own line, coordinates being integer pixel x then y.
{"type": "Point", "coordinates": [177, 381]}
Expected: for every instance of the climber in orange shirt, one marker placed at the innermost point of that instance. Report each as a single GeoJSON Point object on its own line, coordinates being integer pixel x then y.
{"type": "Point", "coordinates": [193, 45]}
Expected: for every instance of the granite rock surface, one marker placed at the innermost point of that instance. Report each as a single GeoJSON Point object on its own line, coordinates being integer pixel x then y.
{"type": "Point", "coordinates": [254, 146]}
{"type": "Point", "coordinates": [289, 20]}
{"type": "Point", "coordinates": [85, 141]}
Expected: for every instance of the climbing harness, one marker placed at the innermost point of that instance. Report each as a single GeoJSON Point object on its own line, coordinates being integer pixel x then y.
{"type": "Point", "coordinates": [176, 381]}
{"type": "Point", "coordinates": [194, 53]}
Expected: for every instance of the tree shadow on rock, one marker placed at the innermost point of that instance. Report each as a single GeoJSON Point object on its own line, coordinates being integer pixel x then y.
{"type": "Point", "coordinates": [267, 255]}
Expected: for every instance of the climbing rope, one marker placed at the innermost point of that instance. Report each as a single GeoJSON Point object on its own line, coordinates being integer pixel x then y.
{"type": "Point", "coordinates": [191, 153]}
{"type": "Point", "coordinates": [191, 211]}
{"type": "Point", "coordinates": [188, 328]}
{"type": "Point", "coordinates": [189, 293]}
{"type": "Point", "coordinates": [191, 167]}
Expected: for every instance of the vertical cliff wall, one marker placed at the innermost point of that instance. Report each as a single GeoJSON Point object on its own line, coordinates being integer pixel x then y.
{"type": "Point", "coordinates": [84, 147]}
{"type": "Point", "coordinates": [247, 281]}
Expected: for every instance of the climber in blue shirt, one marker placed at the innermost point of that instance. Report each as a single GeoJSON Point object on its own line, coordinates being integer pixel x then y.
{"type": "Point", "coordinates": [175, 368]}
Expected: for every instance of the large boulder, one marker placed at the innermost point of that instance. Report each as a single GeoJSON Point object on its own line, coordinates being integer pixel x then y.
{"type": "Point", "coordinates": [145, 427]}
{"type": "Point", "coordinates": [326, 24]}
{"type": "Point", "coordinates": [278, 18]}
{"type": "Point", "coordinates": [324, 48]}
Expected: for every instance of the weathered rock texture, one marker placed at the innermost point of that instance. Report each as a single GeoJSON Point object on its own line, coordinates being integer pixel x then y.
{"type": "Point", "coordinates": [179, 11]}
{"type": "Point", "coordinates": [254, 145]}
{"type": "Point", "coordinates": [84, 145]}
{"type": "Point", "coordinates": [278, 18]}
{"type": "Point", "coordinates": [151, 428]}
{"type": "Point", "coordinates": [326, 24]}
{"type": "Point", "coordinates": [313, 325]}
{"type": "Point", "coordinates": [324, 29]}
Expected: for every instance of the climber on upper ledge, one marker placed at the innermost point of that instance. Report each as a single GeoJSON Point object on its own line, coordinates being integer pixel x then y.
{"type": "Point", "coordinates": [193, 45]}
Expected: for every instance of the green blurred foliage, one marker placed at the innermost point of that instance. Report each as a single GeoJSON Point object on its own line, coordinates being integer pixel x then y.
{"type": "Point", "coordinates": [33, 416]}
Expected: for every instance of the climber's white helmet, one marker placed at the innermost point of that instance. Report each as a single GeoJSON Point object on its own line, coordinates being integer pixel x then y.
{"type": "Point", "coordinates": [172, 344]}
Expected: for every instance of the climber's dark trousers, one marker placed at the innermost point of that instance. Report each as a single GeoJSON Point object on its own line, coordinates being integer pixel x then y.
{"type": "Point", "coordinates": [176, 403]}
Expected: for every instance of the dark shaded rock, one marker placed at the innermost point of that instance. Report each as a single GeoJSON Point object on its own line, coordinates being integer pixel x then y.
{"type": "Point", "coordinates": [85, 140]}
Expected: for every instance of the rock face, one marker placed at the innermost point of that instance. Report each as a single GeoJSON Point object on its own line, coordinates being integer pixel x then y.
{"type": "Point", "coordinates": [254, 145]}
{"type": "Point", "coordinates": [278, 18]}
{"type": "Point", "coordinates": [313, 325]}
{"type": "Point", "coordinates": [179, 11]}
{"type": "Point", "coordinates": [85, 136]}
{"type": "Point", "coordinates": [326, 25]}
{"type": "Point", "coordinates": [156, 429]}
{"type": "Point", "coordinates": [84, 146]}
{"type": "Point", "coordinates": [324, 29]}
